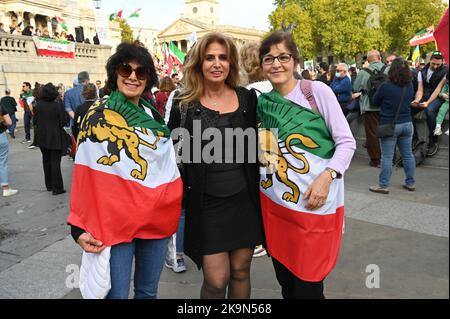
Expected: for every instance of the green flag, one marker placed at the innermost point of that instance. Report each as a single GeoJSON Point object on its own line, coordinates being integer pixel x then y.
{"type": "Point", "coordinates": [135, 14]}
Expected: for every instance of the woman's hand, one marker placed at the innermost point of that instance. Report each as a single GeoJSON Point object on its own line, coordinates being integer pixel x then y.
{"type": "Point", "coordinates": [90, 244]}
{"type": "Point", "coordinates": [317, 192]}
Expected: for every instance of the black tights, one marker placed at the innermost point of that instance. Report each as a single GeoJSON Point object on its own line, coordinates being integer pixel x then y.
{"type": "Point", "coordinates": [227, 270]}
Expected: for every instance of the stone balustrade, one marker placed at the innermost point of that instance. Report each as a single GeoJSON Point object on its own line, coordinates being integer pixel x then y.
{"type": "Point", "coordinates": [18, 45]}
{"type": "Point", "coordinates": [19, 62]}
{"type": "Point", "coordinates": [15, 45]}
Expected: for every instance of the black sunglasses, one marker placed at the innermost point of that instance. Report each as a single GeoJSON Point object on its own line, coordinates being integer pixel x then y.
{"type": "Point", "coordinates": [125, 71]}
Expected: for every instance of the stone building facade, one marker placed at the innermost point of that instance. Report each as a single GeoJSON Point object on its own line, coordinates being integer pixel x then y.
{"type": "Point", "coordinates": [202, 17]}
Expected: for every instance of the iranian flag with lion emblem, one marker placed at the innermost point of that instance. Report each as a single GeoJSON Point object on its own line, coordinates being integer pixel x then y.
{"type": "Point", "coordinates": [126, 183]}
{"type": "Point", "coordinates": [295, 148]}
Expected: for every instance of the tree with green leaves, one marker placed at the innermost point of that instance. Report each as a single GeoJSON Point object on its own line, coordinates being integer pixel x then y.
{"type": "Point", "coordinates": [127, 32]}
{"type": "Point", "coordinates": [409, 17]}
{"type": "Point", "coordinates": [346, 28]}
{"type": "Point", "coordinates": [293, 15]}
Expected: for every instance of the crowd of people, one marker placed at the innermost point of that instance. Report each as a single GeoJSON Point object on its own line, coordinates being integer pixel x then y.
{"type": "Point", "coordinates": [227, 211]}
{"type": "Point", "coordinates": [30, 31]}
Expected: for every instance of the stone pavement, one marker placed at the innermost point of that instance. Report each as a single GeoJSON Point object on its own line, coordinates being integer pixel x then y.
{"type": "Point", "coordinates": [406, 235]}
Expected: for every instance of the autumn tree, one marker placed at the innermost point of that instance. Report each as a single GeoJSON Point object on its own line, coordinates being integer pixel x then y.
{"type": "Point", "coordinates": [348, 27]}
{"type": "Point", "coordinates": [127, 32]}
{"type": "Point", "coordinates": [409, 17]}
{"type": "Point", "coordinates": [293, 14]}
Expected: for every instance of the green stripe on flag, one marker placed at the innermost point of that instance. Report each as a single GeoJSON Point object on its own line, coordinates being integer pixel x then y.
{"type": "Point", "coordinates": [177, 53]}
{"type": "Point", "coordinates": [276, 112]}
{"type": "Point", "coordinates": [135, 115]}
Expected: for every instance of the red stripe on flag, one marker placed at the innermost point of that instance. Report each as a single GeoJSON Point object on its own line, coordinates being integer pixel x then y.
{"type": "Point", "coordinates": [138, 212]}
{"type": "Point", "coordinates": [441, 35]}
{"type": "Point", "coordinates": [307, 244]}
{"type": "Point", "coordinates": [56, 54]}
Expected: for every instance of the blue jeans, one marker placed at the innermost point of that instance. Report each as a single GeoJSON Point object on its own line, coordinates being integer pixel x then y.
{"type": "Point", "coordinates": [149, 261]}
{"type": "Point", "coordinates": [402, 138]}
{"type": "Point", "coordinates": [180, 233]}
{"type": "Point", "coordinates": [12, 128]}
{"type": "Point", "coordinates": [4, 147]}
{"type": "Point", "coordinates": [431, 114]}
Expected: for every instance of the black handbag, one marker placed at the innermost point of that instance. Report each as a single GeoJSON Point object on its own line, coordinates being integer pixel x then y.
{"type": "Point", "coordinates": [388, 130]}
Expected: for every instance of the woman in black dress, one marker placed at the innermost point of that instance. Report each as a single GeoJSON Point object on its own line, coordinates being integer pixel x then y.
{"type": "Point", "coordinates": [223, 219]}
{"type": "Point", "coordinates": [49, 120]}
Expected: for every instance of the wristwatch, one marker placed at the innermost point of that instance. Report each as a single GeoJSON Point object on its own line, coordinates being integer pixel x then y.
{"type": "Point", "coordinates": [332, 172]}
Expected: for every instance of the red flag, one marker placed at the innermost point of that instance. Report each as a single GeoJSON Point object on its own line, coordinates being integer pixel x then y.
{"type": "Point", "coordinates": [441, 36]}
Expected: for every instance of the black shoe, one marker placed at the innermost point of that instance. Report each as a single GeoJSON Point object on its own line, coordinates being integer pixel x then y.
{"type": "Point", "coordinates": [433, 148]}
{"type": "Point", "coordinates": [374, 164]}
{"type": "Point", "coordinates": [59, 192]}
{"type": "Point", "coordinates": [12, 135]}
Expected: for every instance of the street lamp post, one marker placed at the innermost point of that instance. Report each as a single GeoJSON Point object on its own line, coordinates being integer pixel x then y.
{"type": "Point", "coordinates": [97, 4]}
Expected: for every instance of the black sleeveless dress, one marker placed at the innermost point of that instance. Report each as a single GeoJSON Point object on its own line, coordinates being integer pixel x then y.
{"type": "Point", "coordinates": [229, 215]}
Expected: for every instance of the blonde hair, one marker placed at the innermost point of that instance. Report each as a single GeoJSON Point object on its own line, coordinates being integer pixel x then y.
{"type": "Point", "coordinates": [194, 86]}
{"type": "Point", "coordinates": [250, 62]}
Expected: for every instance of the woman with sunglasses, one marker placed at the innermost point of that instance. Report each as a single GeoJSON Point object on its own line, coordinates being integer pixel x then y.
{"type": "Point", "coordinates": [306, 147]}
{"type": "Point", "coordinates": [223, 223]}
{"type": "Point", "coordinates": [126, 191]}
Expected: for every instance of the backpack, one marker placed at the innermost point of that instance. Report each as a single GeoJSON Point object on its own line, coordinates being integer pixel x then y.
{"type": "Point", "coordinates": [419, 152]}
{"type": "Point", "coordinates": [376, 78]}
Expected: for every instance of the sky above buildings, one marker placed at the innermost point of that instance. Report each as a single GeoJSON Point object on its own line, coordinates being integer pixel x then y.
{"type": "Point", "coordinates": [160, 14]}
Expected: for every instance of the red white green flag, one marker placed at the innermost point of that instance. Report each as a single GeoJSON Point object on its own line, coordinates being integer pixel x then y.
{"type": "Point", "coordinates": [54, 48]}
{"type": "Point", "coordinates": [306, 242]}
{"type": "Point", "coordinates": [423, 37]}
{"type": "Point", "coordinates": [115, 15]}
{"type": "Point", "coordinates": [62, 23]}
{"type": "Point", "coordinates": [135, 14]}
{"type": "Point", "coordinates": [126, 183]}
{"type": "Point", "coordinates": [176, 58]}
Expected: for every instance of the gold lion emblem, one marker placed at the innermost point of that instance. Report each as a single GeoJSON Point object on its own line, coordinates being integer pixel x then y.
{"type": "Point", "coordinates": [273, 159]}
{"type": "Point", "coordinates": [107, 125]}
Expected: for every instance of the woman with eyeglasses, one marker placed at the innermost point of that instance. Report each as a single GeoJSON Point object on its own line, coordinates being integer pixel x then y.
{"type": "Point", "coordinates": [306, 147]}
{"type": "Point", "coordinates": [223, 219]}
{"type": "Point", "coordinates": [126, 191]}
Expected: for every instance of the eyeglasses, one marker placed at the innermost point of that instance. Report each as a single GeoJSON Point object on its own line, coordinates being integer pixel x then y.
{"type": "Point", "coordinates": [125, 71]}
{"type": "Point", "coordinates": [283, 58]}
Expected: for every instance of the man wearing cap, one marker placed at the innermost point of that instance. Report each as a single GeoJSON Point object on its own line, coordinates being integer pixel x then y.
{"type": "Point", "coordinates": [430, 79]}
{"type": "Point", "coordinates": [9, 105]}
{"type": "Point", "coordinates": [73, 97]}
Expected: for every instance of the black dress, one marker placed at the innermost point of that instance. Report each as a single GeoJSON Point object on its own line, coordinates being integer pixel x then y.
{"type": "Point", "coordinates": [220, 216]}
{"type": "Point", "coordinates": [230, 218]}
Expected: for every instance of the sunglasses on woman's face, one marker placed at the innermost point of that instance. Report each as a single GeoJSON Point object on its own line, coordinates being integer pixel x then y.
{"type": "Point", "coordinates": [125, 71]}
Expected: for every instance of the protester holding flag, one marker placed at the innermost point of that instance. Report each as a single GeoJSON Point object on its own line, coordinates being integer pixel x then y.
{"type": "Point", "coordinates": [223, 220]}
{"type": "Point", "coordinates": [124, 204]}
{"type": "Point", "coordinates": [303, 207]}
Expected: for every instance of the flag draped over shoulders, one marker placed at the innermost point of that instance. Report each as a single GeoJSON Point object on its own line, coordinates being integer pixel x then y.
{"type": "Point", "coordinates": [126, 183]}
{"type": "Point", "coordinates": [295, 148]}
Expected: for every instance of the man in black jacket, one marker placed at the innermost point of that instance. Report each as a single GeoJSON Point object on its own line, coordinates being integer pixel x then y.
{"type": "Point", "coordinates": [431, 79]}
{"type": "Point", "coordinates": [10, 106]}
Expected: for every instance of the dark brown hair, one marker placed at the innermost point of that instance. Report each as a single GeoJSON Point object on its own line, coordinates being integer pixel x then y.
{"type": "Point", "coordinates": [89, 91]}
{"type": "Point", "coordinates": [278, 37]}
{"type": "Point", "coordinates": [400, 73]}
{"type": "Point", "coordinates": [131, 52]}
